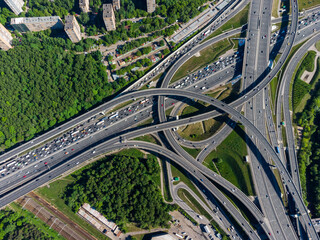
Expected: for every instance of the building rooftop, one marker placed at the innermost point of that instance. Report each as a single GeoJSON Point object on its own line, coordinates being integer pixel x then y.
{"type": "Point", "coordinates": [34, 19]}
{"type": "Point", "coordinates": [107, 10]}
{"type": "Point", "coordinates": [70, 21]}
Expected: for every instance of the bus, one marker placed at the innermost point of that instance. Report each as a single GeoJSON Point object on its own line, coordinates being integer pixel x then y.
{"type": "Point", "coordinates": [100, 122]}
{"type": "Point", "coordinates": [10, 164]}
{"type": "Point", "coordinates": [114, 115]}
{"type": "Point", "coordinates": [74, 133]}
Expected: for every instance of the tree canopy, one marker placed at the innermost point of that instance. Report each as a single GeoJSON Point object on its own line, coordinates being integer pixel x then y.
{"type": "Point", "coordinates": [42, 84]}
{"type": "Point", "coordinates": [16, 227]}
{"type": "Point", "coordinates": [123, 188]}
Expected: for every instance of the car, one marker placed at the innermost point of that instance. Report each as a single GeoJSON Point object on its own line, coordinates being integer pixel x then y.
{"type": "Point", "coordinates": [72, 149]}
{"type": "Point", "coordinates": [45, 163]}
{"type": "Point", "coordinates": [66, 153]}
{"type": "Point", "coordinates": [24, 176]}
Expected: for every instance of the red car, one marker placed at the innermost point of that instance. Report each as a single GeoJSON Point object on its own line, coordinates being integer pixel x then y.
{"type": "Point", "coordinates": [45, 163]}
{"type": "Point", "coordinates": [72, 149]}
{"type": "Point", "coordinates": [24, 176]}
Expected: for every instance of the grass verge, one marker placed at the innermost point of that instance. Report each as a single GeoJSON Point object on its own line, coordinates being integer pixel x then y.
{"type": "Point", "coordinates": [275, 5]}
{"type": "Point", "coordinates": [193, 203]}
{"type": "Point", "coordinates": [317, 45]}
{"type": "Point", "coordinates": [147, 138]}
{"type": "Point", "coordinates": [166, 191]}
{"type": "Point", "coordinates": [52, 195]}
{"type": "Point", "coordinates": [237, 21]}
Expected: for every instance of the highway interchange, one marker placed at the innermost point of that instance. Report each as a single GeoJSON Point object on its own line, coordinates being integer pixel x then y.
{"type": "Point", "coordinates": [115, 133]}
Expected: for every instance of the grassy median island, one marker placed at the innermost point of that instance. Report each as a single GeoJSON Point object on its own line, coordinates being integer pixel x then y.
{"type": "Point", "coordinates": [192, 151]}
{"type": "Point", "coordinates": [148, 138]}
{"type": "Point", "coordinates": [177, 171]}
{"type": "Point", "coordinates": [229, 158]}
{"type": "Point", "coordinates": [202, 130]}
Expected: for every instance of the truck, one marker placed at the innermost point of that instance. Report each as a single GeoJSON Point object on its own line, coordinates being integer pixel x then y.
{"type": "Point", "coordinates": [206, 33]}
{"type": "Point", "coordinates": [179, 236]}
{"type": "Point", "coordinates": [277, 150]}
{"type": "Point", "coordinates": [206, 229]}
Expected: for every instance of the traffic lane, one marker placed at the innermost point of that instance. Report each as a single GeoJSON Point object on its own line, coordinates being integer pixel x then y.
{"type": "Point", "coordinates": [213, 80]}
{"type": "Point", "coordinates": [289, 128]}
{"type": "Point", "coordinates": [105, 147]}
{"type": "Point", "coordinates": [73, 122]}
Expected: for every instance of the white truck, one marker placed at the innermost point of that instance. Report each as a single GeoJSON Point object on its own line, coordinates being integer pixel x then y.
{"type": "Point", "coordinates": [206, 229]}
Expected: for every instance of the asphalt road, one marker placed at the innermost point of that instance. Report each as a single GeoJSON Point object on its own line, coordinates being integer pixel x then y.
{"type": "Point", "coordinates": [283, 99]}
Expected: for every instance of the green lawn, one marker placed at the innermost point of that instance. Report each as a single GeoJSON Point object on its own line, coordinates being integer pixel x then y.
{"type": "Point", "coordinates": [207, 55]}
{"type": "Point", "coordinates": [232, 152]}
{"type": "Point", "coordinates": [36, 221]}
{"type": "Point", "coordinates": [178, 172]}
{"type": "Point", "coordinates": [308, 61]}
{"type": "Point", "coordinates": [192, 151]}
{"type": "Point", "coordinates": [306, 4]}
{"type": "Point", "coordinates": [237, 21]}
{"type": "Point", "coordinates": [299, 108]}
{"type": "Point", "coordinates": [301, 89]}
{"type": "Point", "coordinates": [148, 138]}
{"type": "Point", "coordinates": [53, 193]}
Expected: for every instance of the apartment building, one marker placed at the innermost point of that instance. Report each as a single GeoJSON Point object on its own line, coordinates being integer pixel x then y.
{"type": "Point", "coordinates": [116, 4]}
{"type": "Point", "coordinates": [84, 5]}
{"type": "Point", "coordinates": [72, 28]}
{"type": "Point", "coordinates": [15, 5]}
{"type": "Point", "coordinates": [35, 24]}
{"type": "Point", "coordinates": [151, 6]}
{"type": "Point", "coordinates": [5, 38]}
{"type": "Point", "coordinates": [108, 17]}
